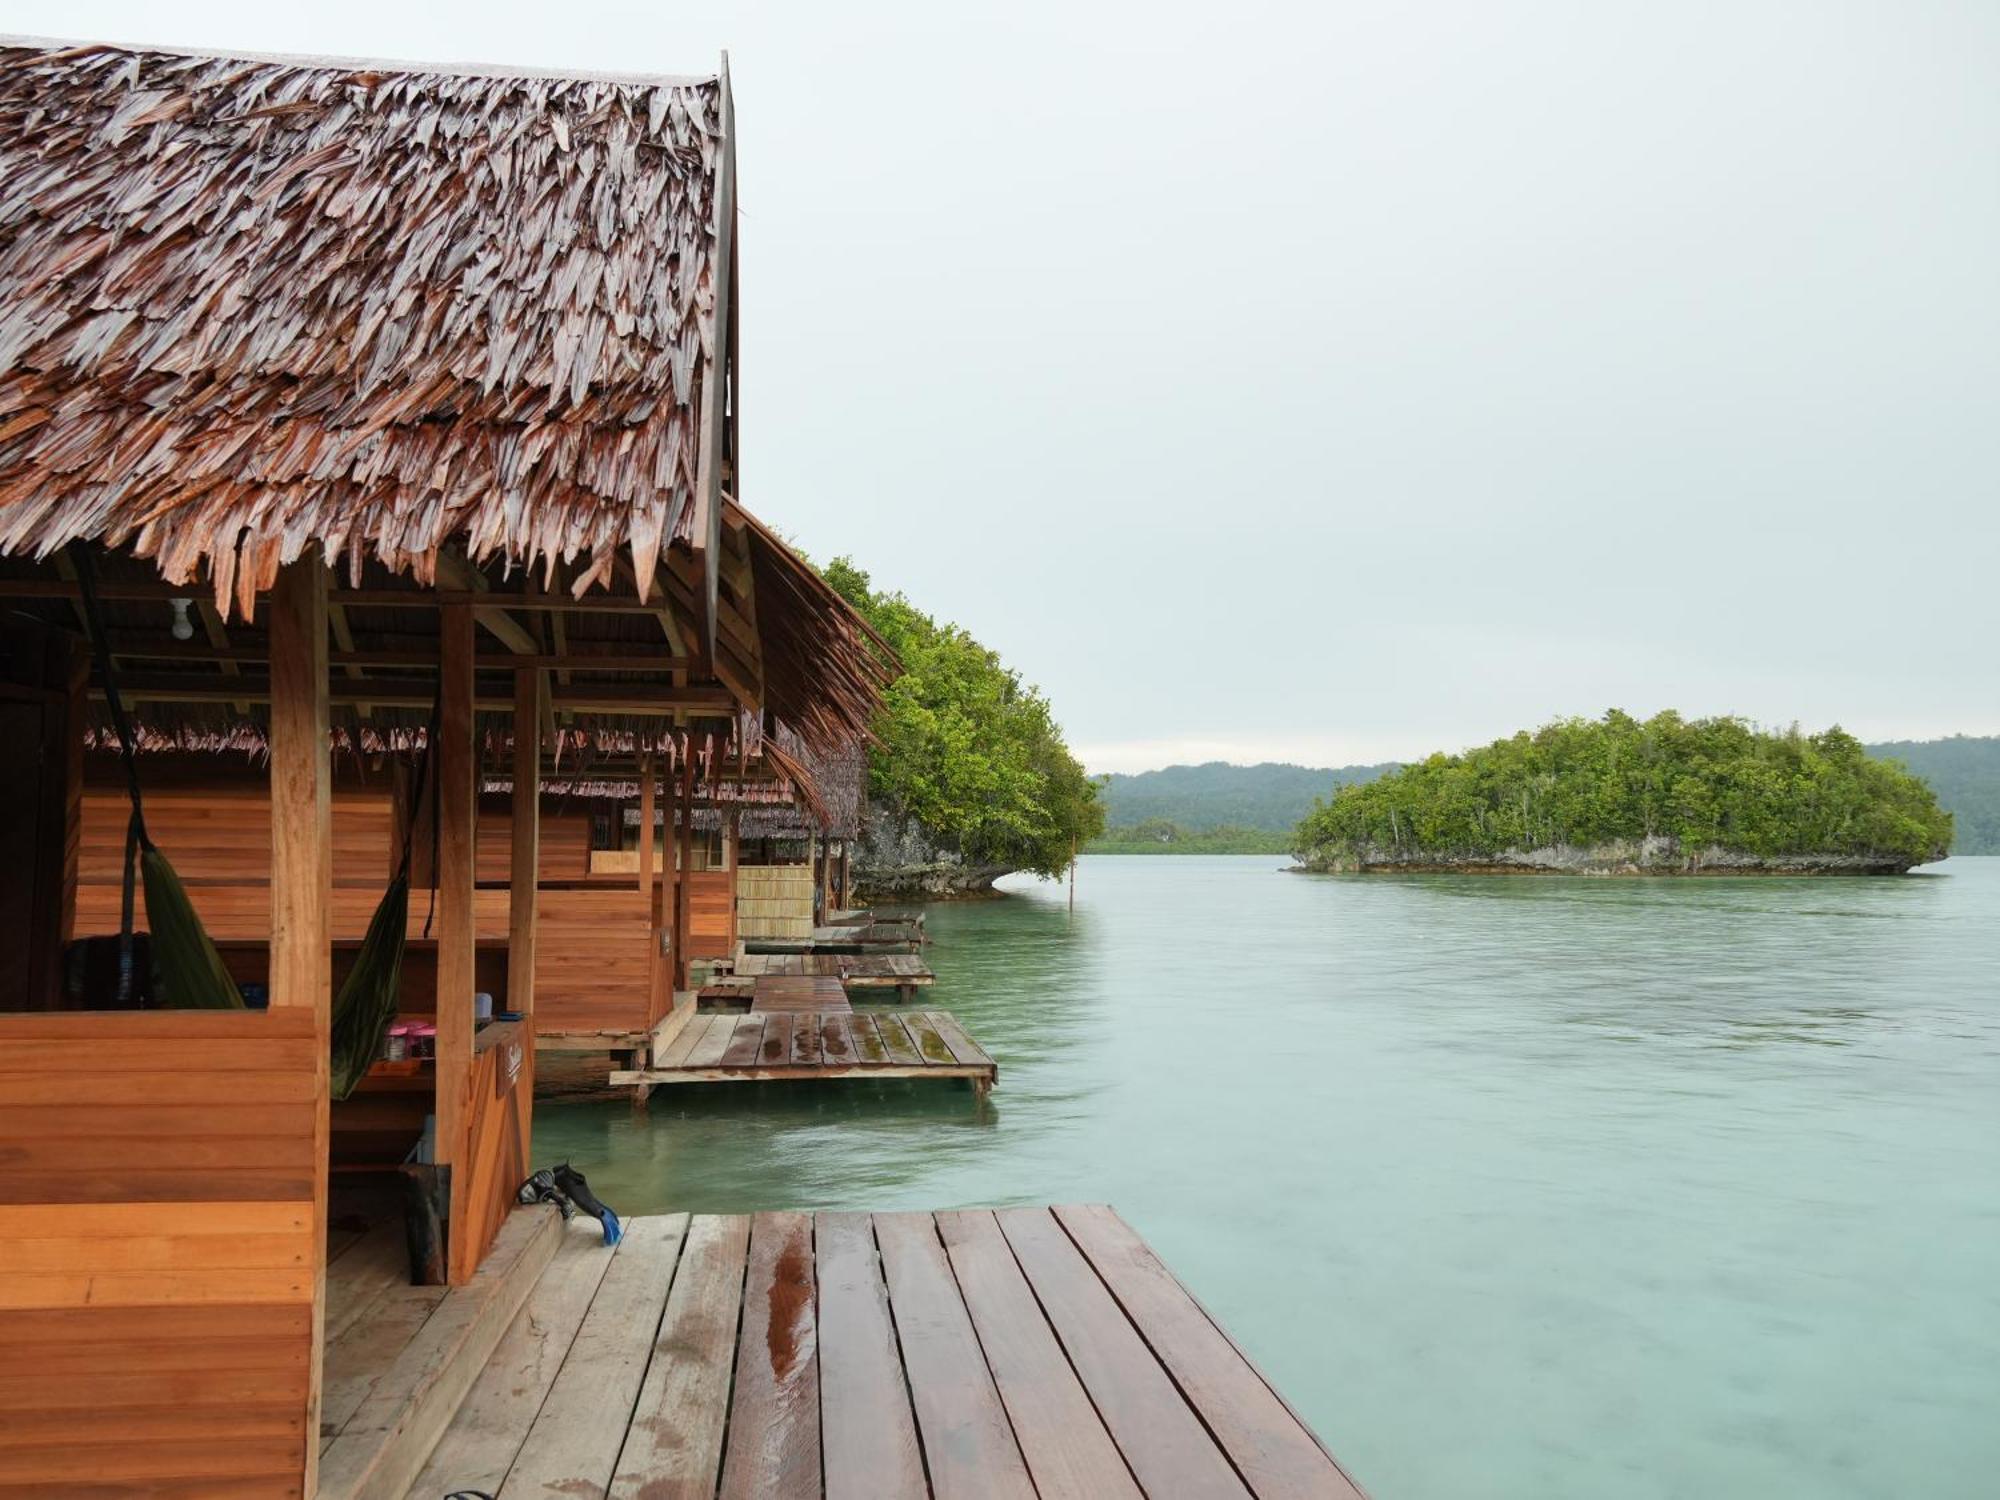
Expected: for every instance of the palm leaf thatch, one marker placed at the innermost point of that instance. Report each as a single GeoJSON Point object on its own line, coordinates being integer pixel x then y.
{"type": "Point", "coordinates": [248, 304]}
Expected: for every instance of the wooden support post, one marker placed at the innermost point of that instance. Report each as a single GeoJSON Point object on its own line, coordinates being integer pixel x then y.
{"type": "Point", "coordinates": [457, 976]}
{"type": "Point", "coordinates": [647, 780]}
{"type": "Point", "coordinates": [531, 701]}
{"type": "Point", "coordinates": [732, 858]}
{"type": "Point", "coordinates": [669, 907]}
{"type": "Point", "coordinates": [686, 873]}
{"type": "Point", "coordinates": [302, 884]}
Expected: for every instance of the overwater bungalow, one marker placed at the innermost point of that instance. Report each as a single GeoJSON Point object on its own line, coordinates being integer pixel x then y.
{"type": "Point", "coordinates": [356, 409]}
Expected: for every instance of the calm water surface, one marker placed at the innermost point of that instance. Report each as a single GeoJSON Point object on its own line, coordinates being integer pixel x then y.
{"type": "Point", "coordinates": [1516, 1186]}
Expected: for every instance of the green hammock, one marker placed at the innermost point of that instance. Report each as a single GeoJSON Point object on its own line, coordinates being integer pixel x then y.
{"type": "Point", "coordinates": [367, 999]}
{"type": "Point", "coordinates": [368, 996]}
{"type": "Point", "coordinates": [188, 974]}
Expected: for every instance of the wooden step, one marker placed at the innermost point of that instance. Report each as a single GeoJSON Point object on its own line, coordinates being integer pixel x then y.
{"type": "Point", "coordinates": [383, 1443]}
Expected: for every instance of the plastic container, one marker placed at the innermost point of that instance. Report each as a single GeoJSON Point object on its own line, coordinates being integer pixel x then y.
{"type": "Point", "coordinates": [482, 1008]}
{"type": "Point", "coordinates": [396, 1042]}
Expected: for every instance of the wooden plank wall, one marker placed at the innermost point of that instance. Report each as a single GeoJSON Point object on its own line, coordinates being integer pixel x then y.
{"type": "Point", "coordinates": [591, 963]}
{"type": "Point", "coordinates": [156, 1252]}
{"type": "Point", "coordinates": [500, 1088]}
{"type": "Point", "coordinates": [711, 893]}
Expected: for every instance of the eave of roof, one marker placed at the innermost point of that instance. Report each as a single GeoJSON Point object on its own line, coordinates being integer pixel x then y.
{"type": "Point", "coordinates": [249, 304]}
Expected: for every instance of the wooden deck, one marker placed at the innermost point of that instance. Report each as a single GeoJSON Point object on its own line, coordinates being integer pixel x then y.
{"type": "Point", "coordinates": [903, 972]}
{"type": "Point", "coordinates": [779, 992]}
{"type": "Point", "coordinates": [812, 1044]}
{"type": "Point", "coordinates": [1026, 1353]}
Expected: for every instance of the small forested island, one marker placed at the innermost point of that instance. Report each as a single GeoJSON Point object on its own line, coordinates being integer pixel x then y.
{"type": "Point", "coordinates": [1617, 796]}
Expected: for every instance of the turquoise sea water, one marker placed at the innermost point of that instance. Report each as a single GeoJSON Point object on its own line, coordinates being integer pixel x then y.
{"type": "Point", "coordinates": [1516, 1186]}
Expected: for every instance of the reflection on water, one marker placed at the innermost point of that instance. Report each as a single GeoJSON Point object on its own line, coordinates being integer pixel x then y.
{"type": "Point", "coordinates": [1518, 1186]}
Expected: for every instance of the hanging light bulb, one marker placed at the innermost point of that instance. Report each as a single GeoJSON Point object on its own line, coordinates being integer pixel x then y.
{"type": "Point", "coordinates": [183, 626]}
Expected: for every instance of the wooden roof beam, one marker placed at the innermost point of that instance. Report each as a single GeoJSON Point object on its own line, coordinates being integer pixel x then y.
{"type": "Point", "coordinates": [230, 656]}
{"type": "Point", "coordinates": [496, 622]}
{"type": "Point", "coordinates": [636, 699]}
{"type": "Point", "coordinates": [371, 598]}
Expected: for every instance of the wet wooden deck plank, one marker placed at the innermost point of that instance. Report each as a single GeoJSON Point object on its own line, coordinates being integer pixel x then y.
{"type": "Point", "coordinates": [1159, 1434]}
{"type": "Point", "coordinates": [868, 1048]}
{"type": "Point", "coordinates": [744, 1043]}
{"type": "Point", "coordinates": [967, 1439]}
{"type": "Point", "coordinates": [774, 1416]}
{"type": "Point", "coordinates": [805, 1040]}
{"type": "Point", "coordinates": [927, 1040]}
{"type": "Point", "coordinates": [776, 1048]}
{"type": "Point", "coordinates": [822, 1045]}
{"type": "Point", "coordinates": [962, 1047]}
{"type": "Point", "coordinates": [573, 1447]}
{"type": "Point", "coordinates": [1070, 1455]}
{"type": "Point", "coordinates": [902, 1047]}
{"type": "Point", "coordinates": [836, 1041]}
{"type": "Point", "coordinates": [869, 1438]}
{"type": "Point", "coordinates": [674, 1448]}
{"type": "Point", "coordinates": [1019, 1353]}
{"type": "Point", "coordinates": [1276, 1453]}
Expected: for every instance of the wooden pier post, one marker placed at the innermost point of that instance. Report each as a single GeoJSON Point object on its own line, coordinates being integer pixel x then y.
{"type": "Point", "coordinates": [301, 973]}
{"type": "Point", "coordinates": [685, 877]}
{"type": "Point", "coordinates": [457, 974]}
{"type": "Point", "coordinates": [531, 696]}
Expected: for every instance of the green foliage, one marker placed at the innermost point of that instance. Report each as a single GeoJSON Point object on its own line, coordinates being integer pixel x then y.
{"type": "Point", "coordinates": [1580, 782]}
{"type": "Point", "coordinates": [1271, 796]}
{"type": "Point", "coordinates": [1161, 836]}
{"type": "Point", "coordinates": [1964, 771]}
{"type": "Point", "coordinates": [969, 753]}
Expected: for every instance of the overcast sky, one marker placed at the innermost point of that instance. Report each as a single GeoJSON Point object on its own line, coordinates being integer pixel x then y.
{"type": "Point", "coordinates": [1336, 381]}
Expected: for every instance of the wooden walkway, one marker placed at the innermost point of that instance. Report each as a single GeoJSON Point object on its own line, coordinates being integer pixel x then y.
{"type": "Point", "coordinates": [898, 971]}
{"type": "Point", "coordinates": [779, 992]}
{"type": "Point", "coordinates": [770, 1044]}
{"type": "Point", "coordinates": [1027, 1353]}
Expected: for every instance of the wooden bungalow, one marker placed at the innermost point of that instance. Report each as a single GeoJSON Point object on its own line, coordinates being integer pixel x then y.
{"type": "Point", "coordinates": [360, 407]}
{"type": "Point", "coordinates": [352, 407]}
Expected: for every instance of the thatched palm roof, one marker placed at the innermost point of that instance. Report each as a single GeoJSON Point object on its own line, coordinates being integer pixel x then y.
{"type": "Point", "coordinates": [250, 304]}
{"type": "Point", "coordinates": [450, 325]}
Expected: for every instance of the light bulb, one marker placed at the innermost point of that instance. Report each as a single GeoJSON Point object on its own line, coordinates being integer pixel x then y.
{"type": "Point", "coordinates": [183, 626]}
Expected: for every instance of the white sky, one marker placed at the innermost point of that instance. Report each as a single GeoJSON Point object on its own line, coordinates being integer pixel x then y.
{"type": "Point", "coordinates": [1334, 382]}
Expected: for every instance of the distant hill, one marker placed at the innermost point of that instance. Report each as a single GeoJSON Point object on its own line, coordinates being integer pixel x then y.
{"type": "Point", "coordinates": [1271, 798]}
{"type": "Point", "coordinates": [1964, 771]}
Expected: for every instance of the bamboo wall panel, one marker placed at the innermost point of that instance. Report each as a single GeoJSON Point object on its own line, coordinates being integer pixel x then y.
{"type": "Point", "coordinates": [774, 901]}
{"type": "Point", "coordinates": [156, 1251]}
